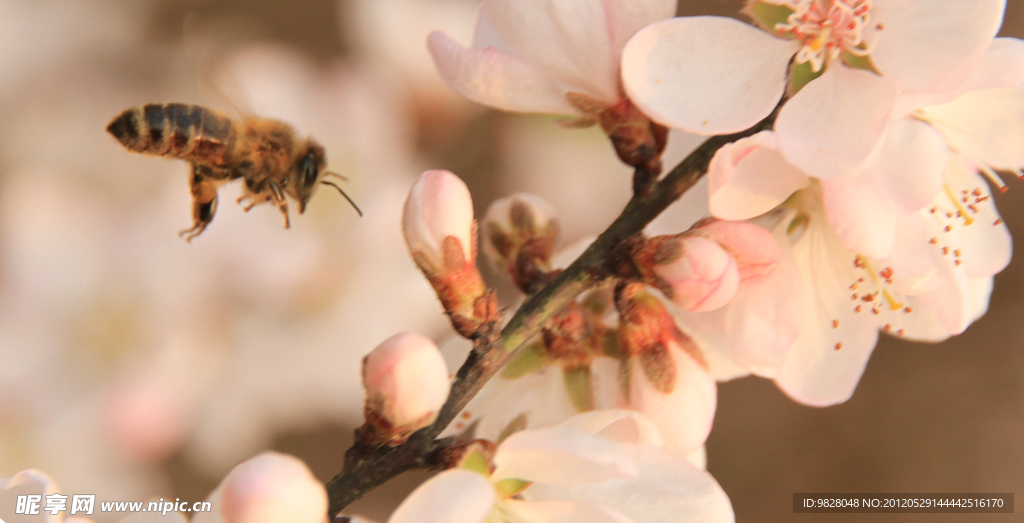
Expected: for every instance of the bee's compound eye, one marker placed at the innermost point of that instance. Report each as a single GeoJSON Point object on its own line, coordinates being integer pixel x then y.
{"type": "Point", "coordinates": [310, 170]}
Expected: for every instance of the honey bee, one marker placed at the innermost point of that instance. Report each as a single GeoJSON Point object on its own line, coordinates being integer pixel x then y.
{"type": "Point", "coordinates": [267, 154]}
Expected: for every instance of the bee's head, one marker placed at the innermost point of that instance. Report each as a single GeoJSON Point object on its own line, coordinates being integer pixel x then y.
{"type": "Point", "coordinates": [308, 171]}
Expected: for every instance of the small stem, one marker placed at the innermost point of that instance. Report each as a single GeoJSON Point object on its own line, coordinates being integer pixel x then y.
{"type": "Point", "coordinates": [366, 468]}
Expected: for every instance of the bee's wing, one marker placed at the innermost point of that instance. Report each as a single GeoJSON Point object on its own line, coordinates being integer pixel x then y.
{"type": "Point", "coordinates": [216, 82]}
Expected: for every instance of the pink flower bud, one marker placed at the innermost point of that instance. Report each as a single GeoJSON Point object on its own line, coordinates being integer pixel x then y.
{"type": "Point", "coordinates": [519, 237]}
{"type": "Point", "coordinates": [753, 247]}
{"type": "Point", "coordinates": [270, 488]}
{"type": "Point", "coordinates": [406, 381]}
{"type": "Point", "coordinates": [441, 235]}
{"type": "Point", "coordinates": [692, 270]}
{"type": "Point", "coordinates": [439, 207]}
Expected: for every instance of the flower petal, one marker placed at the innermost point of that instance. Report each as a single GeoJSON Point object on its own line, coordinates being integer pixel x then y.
{"type": "Point", "coordinates": [860, 213]}
{"type": "Point", "coordinates": [685, 414]}
{"type": "Point", "coordinates": [568, 39]}
{"type": "Point", "coordinates": [706, 74]}
{"type": "Point", "coordinates": [926, 43]}
{"type": "Point", "coordinates": [835, 122]}
{"type": "Point", "coordinates": [561, 456]}
{"type": "Point", "coordinates": [669, 489]}
{"type": "Point", "coordinates": [754, 248]}
{"type": "Point", "coordinates": [985, 245]}
{"type": "Point", "coordinates": [986, 126]}
{"type": "Point", "coordinates": [453, 496]}
{"type": "Point", "coordinates": [619, 425]}
{"type": "Point", "coordinates": [749, 177]}
{"type": "Point", "coordinates": [492, 77]}
{"type": "Point", "coordinates": [626, 17]}
{"type": "Point", "coordinates": [1002, 65]}
{"type": "Point", "coordinates": [981, 291]}
{"type": "Point", "coordinates": [910, 163]}
{"type": "Point", "coordinates": [764, 319]}
{"type": "Point", "coordinates": [563, 511]}
{"type": "Point", "coordinates": [825, 363]}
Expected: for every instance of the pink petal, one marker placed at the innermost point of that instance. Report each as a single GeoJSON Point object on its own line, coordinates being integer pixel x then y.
{"type": "Point", "coordinates": [753, 247]}
{"type": "Point", "coordinates": [986, 126]}
{"type": "Point", "coordinates": [669, 489]}
{"type": "Point", "coordinates": [626, 17]}
{"type": "Point", "coordinates": [949, 297]}
{"type": "Point", "coordinates": [764, 319]}
{"type": "Point", "coordinates": [568, 39]}
{"type": "Point", "coordinates": [926, 43]}
{"type": "Point", "coordinates": [622, 426]}
{"type": "Point", "coordinates": [910, 164]}
{"type": "Point", "coordinates": [985, 245]}
{"type": "Point", "coordinates": [686, 413]}
{"type": "Point", "coordinates": [706, 74]}
{"type": "Point", "coordinates": [704, 278]}
{"type": "Point", "coordinates": [860, 213]}
{"type": "Point", "coordinates": [835, 122]}
{"type": "Point", "coordinates": [485, 35]}
{"type": "Point", "coordinates": [453, 496]}
{"type": "Point", "coordinates": [492, 77]}
{"type": "Point", "coordinates": [563, 511]}
{"type": "Point", "coordinates": [561, 456]}
{"type": "Point", "coordinates": [825, 363]}
{"type": "Point", "coordinates": [749, 177]}
{"type": "Point", "coordinates": [1001, 65]}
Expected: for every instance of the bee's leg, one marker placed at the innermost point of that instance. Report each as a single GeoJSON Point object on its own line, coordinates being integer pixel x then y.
{"type": "Point", "coordinates": [204, 203]}
{"type": "Point", "coordinates": [282, 204]}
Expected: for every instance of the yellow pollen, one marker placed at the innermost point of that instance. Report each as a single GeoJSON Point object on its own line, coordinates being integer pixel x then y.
{"type": "Point", "coordinates": [894, 304]}
{"type": "Point", "coordinates": [959, 206]}
{"type": "Point", "coordinates": [819, 42]}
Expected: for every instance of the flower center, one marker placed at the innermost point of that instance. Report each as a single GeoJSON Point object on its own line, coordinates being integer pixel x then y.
{"type": "Point", "coordinates": [827, 28]}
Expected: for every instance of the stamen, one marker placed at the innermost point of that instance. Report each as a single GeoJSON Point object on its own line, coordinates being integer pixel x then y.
{"type": "Point", "coordinates": [961, 210]}
{"type": "Point", "coordinates": [881, 279]}
{"type": "Point", "coordinates": [993, 177]}
{"type": "Point", "coordinates": [827, 28]}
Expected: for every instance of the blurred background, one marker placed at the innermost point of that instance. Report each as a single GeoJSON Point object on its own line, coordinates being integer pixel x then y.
{"type": "Point", "coordinates": [136, 366]}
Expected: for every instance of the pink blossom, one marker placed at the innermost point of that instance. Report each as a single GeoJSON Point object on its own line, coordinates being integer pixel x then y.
{"type": "Point", "coordinates": [406, 382]}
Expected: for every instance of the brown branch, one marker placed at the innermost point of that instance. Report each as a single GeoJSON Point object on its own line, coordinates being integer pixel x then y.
{"type": "Point", "coordinates": [368, 467]}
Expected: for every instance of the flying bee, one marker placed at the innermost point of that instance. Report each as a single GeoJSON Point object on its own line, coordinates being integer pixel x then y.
{"type": "Point", "coordinates": [267, 154]}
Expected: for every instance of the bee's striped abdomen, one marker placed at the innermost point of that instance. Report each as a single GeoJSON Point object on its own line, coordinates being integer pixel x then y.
{"type": "Point", "coordinates": [189, 132]}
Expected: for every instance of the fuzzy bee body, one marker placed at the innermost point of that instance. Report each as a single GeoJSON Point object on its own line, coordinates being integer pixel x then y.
{"type": "Point", "coordinates": [267, 154]}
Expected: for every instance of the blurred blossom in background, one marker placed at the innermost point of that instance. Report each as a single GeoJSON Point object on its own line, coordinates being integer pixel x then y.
{"type": "Point", "coordinates": [134, 365]}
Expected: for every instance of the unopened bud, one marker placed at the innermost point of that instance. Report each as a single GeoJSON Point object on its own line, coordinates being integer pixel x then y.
{"type": "Point", "coordinates": [693, 271]}
{"type": "Point", "coordinates": [701, 269]}
{"type": "Point", "coordinates": [753, 247]}
{"type": "Point", "coordinates": [519, 237]}
{"type": "Point", "coordinates": [407, 383]}
{"type": "Point", "coordinates": [441, 235]}
{"type": "Point", "coordinates": [269, 488]}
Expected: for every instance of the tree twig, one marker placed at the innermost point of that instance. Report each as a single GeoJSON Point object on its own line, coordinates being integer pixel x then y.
{"type": "Point", "coordinates": [369, 467]}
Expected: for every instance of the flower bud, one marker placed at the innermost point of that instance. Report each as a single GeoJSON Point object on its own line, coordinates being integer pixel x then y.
{"type": "Point", "coordinates": [701, 269]}
{"type": "Point", "coordinates": [753, 247]}
{"type": "Point", "coordinates": [693, 271]}
{"type": "Point", "coordinates": [663, 372]}
{"type": "Point", "coordinates": [441, 235]}
{"type": "Point", "coordinates": [519, 237]}
{"type": "Point", "coordinates": [269, 488]}
{"type": "Point", "coordinates": [406, 381]}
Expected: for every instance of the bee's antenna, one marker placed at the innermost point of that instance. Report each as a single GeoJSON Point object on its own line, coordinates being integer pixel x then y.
{"type": "Point", "coordinates": [354, 206]}
{"type": "Point", "coordinates": [332, 173]}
